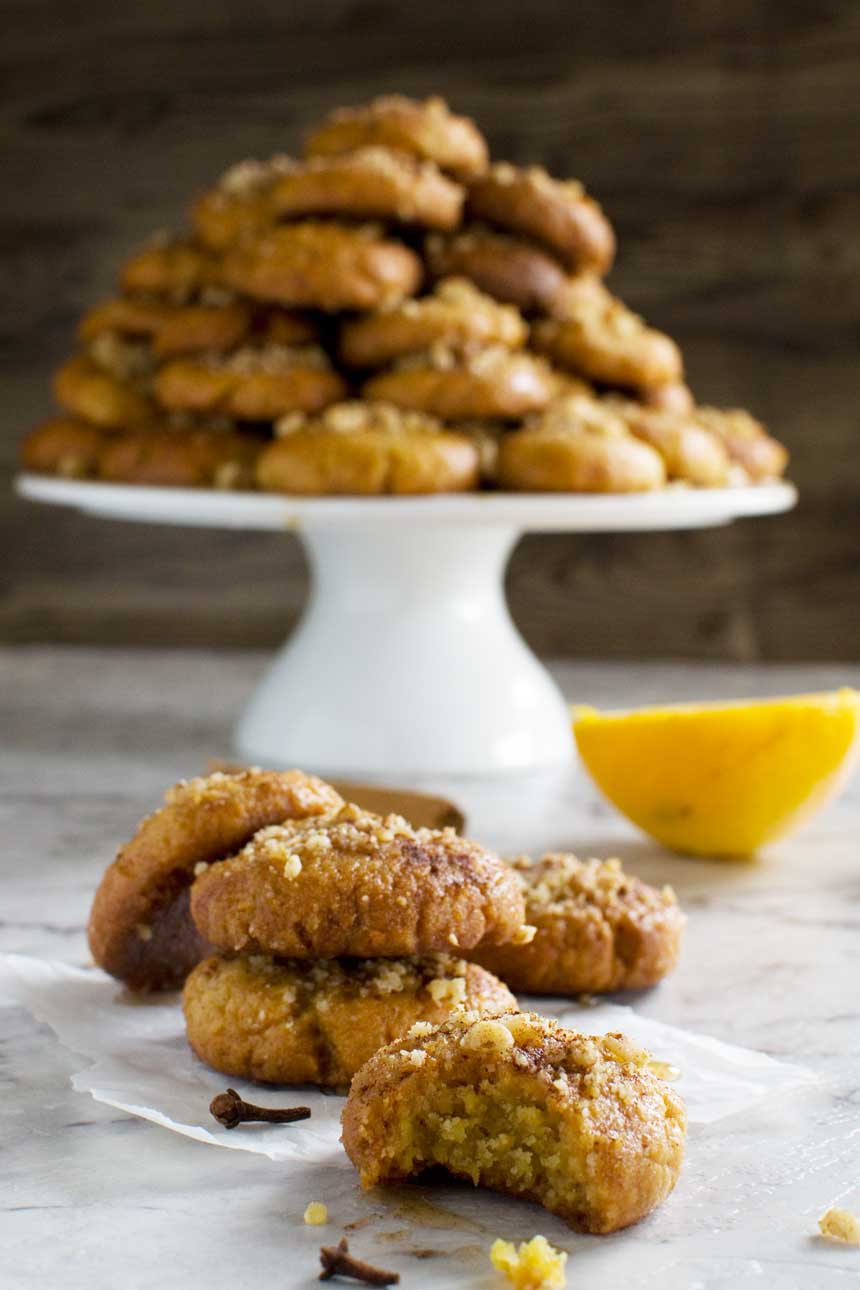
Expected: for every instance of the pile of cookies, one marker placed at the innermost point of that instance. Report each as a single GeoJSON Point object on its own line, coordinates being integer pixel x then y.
{"type": "Point", "coordinates": [391, 314]}
{"type": "Point", "coordinates": [319, 943]}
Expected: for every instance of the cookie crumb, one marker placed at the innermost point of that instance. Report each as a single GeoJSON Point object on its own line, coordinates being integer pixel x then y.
{"type": "Point", "coordinates": [536, 1265]}
{"type": "Point", "coordinates": [316, 1214]}
{"type": "Point", "coordinates": [840, 1225]}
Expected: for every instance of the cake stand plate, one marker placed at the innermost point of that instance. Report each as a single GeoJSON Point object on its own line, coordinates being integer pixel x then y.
{"type": "Point", "coordinates": [406, 662]}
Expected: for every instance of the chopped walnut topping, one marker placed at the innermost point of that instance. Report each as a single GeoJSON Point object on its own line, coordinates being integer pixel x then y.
{"type": "Point", "coordinates": [354, 417]}
{"type": "Point", "coordinates": [492, 1036]}
{"type": "Point", "coordinates": [420, 1030]}
{"type": "Point", "coordinates": [447, 990]}
{"type": "Point", "coordinates": [524, 935]}
{"type": "Point", "coordinates": [249, 177]}
{"type": "Point", "coordinates": [273, 359]}
{"type": "Point", "coordinates": [127, 360]}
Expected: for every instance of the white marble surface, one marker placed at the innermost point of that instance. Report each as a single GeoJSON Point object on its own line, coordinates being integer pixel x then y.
{"type": "Point", "coordinates": [90, 1198]}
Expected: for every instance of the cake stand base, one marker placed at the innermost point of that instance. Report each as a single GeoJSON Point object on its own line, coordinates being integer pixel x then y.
{"type": "Point", "coordinates": [406, 659]}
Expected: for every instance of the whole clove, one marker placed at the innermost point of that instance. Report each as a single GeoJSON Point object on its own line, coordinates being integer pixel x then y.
{"type": "Point", "coordinates": [337, 1261]}
{"type": "Point", "coordinates": [230, 1110]}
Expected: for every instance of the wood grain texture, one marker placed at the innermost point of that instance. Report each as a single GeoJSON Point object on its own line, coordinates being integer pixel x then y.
{"type": "Point", "coordinates": [723, 143]}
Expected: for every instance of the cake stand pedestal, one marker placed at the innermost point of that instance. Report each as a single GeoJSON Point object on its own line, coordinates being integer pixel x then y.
{"type": "Point", "coordinates": [406, 662]}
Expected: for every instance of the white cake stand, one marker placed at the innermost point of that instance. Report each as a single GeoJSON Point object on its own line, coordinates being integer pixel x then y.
{"type": "Point", "coordinates": [406, 661]}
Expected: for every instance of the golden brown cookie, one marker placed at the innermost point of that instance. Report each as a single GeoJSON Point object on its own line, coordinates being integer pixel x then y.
{"type": "Point", "coordinates": [252, 384]}
{"type": "Point", "coordinates": [457, 314]}
{"type": "Point", "coordinates": [746, 440]}
{"type": "Point", "coordinates": [557, 213]}
{"type": "Point", "coordinates": [178, 458]}
{"type": "Point", "coordinates": [63, 446]}
{"type": "Point", "coordinates": [139, 927]}
{"type": "Point", "coordinates": [216, 322]}
{"type": "Point", "coordinates": [371, 183]}
{"type": "Point", "coordinates": [509, 269]}
{"type": "Point", "coordinates": [428, 130]}
{"type": "Point", "coordinates": [491, 384]}
{"type": "Point", "coordinates": [578, 446]}
{"type": "Point", "coordinates": [324, 266]}
{"type": "Point", "coordinates": [598, 929]}
{"type": "Point", "coordinates": [524, 1106]}
{"type": "Point", "coordinates": [175, 269]}
{"type": "Point", "coordinates": [360, 885]}
{"type": "Point", "coordinates": [594, 333]}
{"type": "Point", "coordinates": [293, 1021]}
{"type": "Point", "coordinates": [240, 204]}
{"type": "Point", "coordinates": [367, 448]}
{"type": "Point", "coordinates": [91, 391]}
{"type": "Point", "coordinates": [689, 451]}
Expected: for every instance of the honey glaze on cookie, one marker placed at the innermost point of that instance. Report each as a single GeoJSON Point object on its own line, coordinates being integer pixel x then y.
{"type": "Point", "coordinates": [358, 885]}
{"type": "Point", "coordinates": [287, 1021]}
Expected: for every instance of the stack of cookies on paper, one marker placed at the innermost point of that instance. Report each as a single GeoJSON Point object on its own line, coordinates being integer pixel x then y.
{"type": "Point", "coordinates": [319, 943]}
{"type": "Point", "coordinates": [392, 314]}
{"type": "Point", "coordinates": [308, 932]}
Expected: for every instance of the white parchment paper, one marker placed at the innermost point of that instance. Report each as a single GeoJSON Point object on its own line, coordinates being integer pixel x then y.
{"type": "Point", "coordinates": [139, 1061]}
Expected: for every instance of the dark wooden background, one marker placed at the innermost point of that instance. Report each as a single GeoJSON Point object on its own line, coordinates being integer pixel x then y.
{"type": "Point", "coordinates": [723, 140]}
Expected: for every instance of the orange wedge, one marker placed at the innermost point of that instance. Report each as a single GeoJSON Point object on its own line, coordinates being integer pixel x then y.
{"type": "Point", "coordinates": [722, 779]}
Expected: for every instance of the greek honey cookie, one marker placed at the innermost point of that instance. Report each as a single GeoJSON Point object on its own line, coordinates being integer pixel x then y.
{"type": "Point", "coordinates": [177, 270]}
{"type": "Point", "coordinates": [171, 458]}
{"type": "Point", "coordinates": [747, 442]}
{"type": "Point", "coordinates": [428, 130]}
{"type": "Point", "coordinates": [106, 397]}
{"type": "Point", "coordinates": [598, 929]}
{"type": "Point", "coordinates": [251, 384]}
{"type": "Point", "coordinates": [689, 451]}
{"type": "Point", "coordinates": [293, 1021]}
{"type": "Point", "coordinates": [139, 928]}
{"type": "Point", "coordinates": [557, 213]}
{"type": "Point", "coordinates": [63, 446]}
{"type": "Point", "coordinates": [594, 333]}
{"type": "Point", "coordinates": [578, 446]}
{"type": "Point", "coordinates": [216, 323]}
{"type": "Point", "coordinates": [324, 266]}
{"type": "Point", "coordinates": [457, 315]}
{"type": "Point", "coordinates": [490, 384]}
{"type": "Point", "coordinates": [371, 183]}
{"type": "Point", "coordinates": [367, 448]}
{"type": "Point", "coordinates": [509, 269]}
{"type": "Point", "coordinates": [522, 1105]}
{"type": "Point", "coordinates": [240, 204]}
{"type": "Point", "coordinates": [359, 885]}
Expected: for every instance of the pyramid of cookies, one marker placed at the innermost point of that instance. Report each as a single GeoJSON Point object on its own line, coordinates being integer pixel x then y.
{"type": "Point", "coordinates": [392, 314]}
